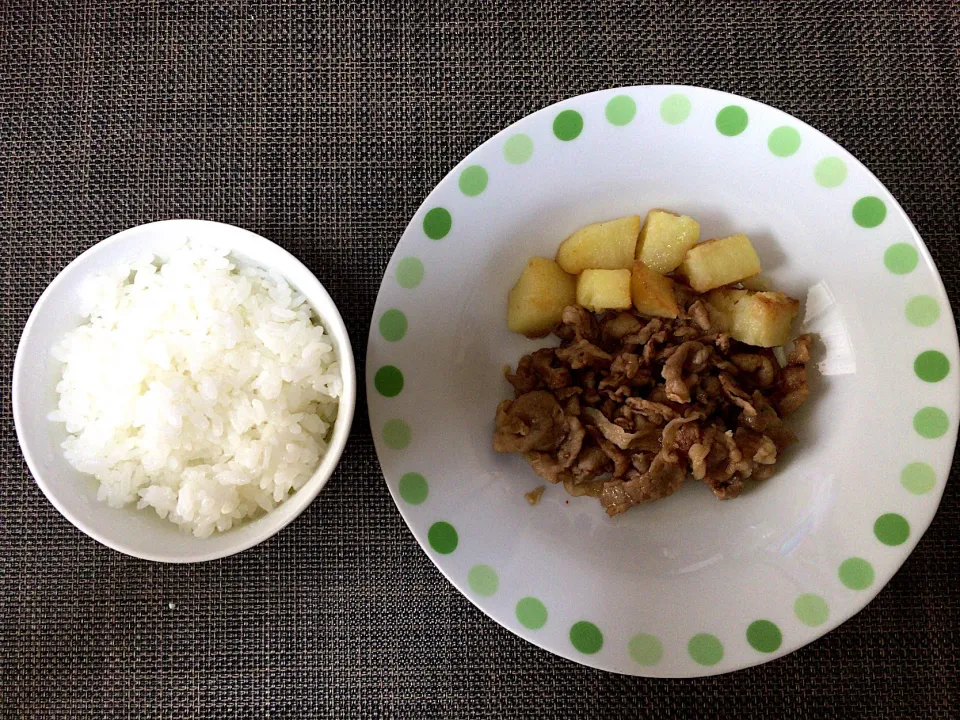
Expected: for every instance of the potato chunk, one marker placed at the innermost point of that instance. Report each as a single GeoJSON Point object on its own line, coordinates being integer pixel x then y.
{"type": "Point", "coordinates": [724, 301]}
{"type": "Point", "coordinates": [652, 293]}
{"type": "Point", "coordinates": [720, 262]}
{"type": "Point", "coordinates": [535, 304]}
{"type": "Point", "coordinates": [755, 318]}
{"type": "Point", "coordinates": [665, 239]}
{"type": "Point", "coordinates": [606, 245]}
{"type": "Point", "coordinates": [757, 282]}
{"type": "Point", "coordinates": [599, 290]}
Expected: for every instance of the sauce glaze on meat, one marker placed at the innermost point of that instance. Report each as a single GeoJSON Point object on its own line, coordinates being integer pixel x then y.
{"type": "Point", "coordinates": [627, 407]}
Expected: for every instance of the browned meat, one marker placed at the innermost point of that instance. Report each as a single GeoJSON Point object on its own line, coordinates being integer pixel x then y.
{"type": "Point", "coordinates": [625, 367]}
{"type": "Point", "coordinates": [524, 380]}
{"type": "Point", "coordinates": [592, 488]}
{"type": "Point", "coordinates": [572, 441]}
{"type": "Point", "coordinates": [583, 353]}
{"type": "Point", "coordinates": [701, 316]}
{"type": "Point", "coordinates": [659, 481]}
{"type": "Point", "coordinates": [534, 421]}
{"type": "Point", "coordinates": [654, 412]}
{"type": "Point", "coordinates": [591, 462]}
{"type": "Point", "coordinates": [690, 355]}
{"type": "Point", "coordinates": [547, 466]}
{"type": "Point", "coordinates": [533, 497]}
{"type": "Point", "coordinates": [611, 431]}
{"type": "Point", "coordinates": [726, 488]}
{"type": "Point", "coordinates": [627, 407]}
{"type": "Point", "coordinates": [792, 389]}
{"type": "Point", "coordinates": [621, 461]}
{"type": "Point", "coordinates": [800, 355]}
{"type": "Point", "coordinates": [617, 326]}
{"type": "Point", "coordinates": [537, 370]}
{"type": "Point", "coordinates": [762, 367]}
{"type": "Point", "coordinates": [577, 323]}
{"type": "Point", "coordinates": [736, 394]}
{"type": "Point", "coordinates": [569, 399]}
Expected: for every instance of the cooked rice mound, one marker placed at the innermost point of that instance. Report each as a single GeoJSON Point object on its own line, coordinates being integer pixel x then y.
{"type": "Point", "coordinates": [199, 387]}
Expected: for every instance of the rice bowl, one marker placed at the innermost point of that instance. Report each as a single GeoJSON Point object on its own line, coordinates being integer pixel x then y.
{"type": "Point", "coordinates": [37, 373]}
{"type": "Point", "coordinates": [200, 388]}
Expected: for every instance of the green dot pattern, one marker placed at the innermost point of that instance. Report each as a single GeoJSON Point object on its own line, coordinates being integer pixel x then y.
{"type": "Point", "coordinates": [518, 149]}
{"type": "Point", "coordinates": [388, 381]}
{"type": "Point", "coordinates": [675, 108]}
{"type": "Point", "coordinates": [620, 110]}
{"type": "Point", "coordinates": [396, 434]}
{"type": "Point", "coordinates": [586, 637]}
{"type": "Point", "coordinates": [531, 613]}
{"type": "Point", "coordinates": [645, 649]}
{"type": "Point", "coordinates": [891, 529]}
{"type": "Point", "coordinates": [784, 141]}
{"type": "Point", "coordinates": [764, 636]}
{"type": "Point", "coordinates": [393, 325]}
{"type": "Point", "coordinates": [922, 311]}
{"type": "Point", "coordinates": [705, 649]}
{"type": "Point", "coordinates": [442, 537]}
{"type": "Point", "coordinates": [856, 573]}
{"type": "Point", "coordinates": [568, 125]}
{"type": "Point", "coordinates": [931, 366]}
{"type": "Point", "coordinates": [931, 422]}
{"type": "Point", "coordinates": [900, 258]}
{"type": "Point", "coordinates": [732, 120]}
{"type": "Point", "coordinates": [830, 172]}
{"type": "Point", "coordinates": [409, 273]}
{"type": "Point", "coordinates": [812, 610]}
{"type": "Point", "coordinates": [918, 478]}
{"type": "Point", "coordinates": [473, 180]}
{"type": "Point", "coordinates": [483, 580]}
{"type": "Point", "coordinates": [868, 212]}
{"type": "Point", "coordinates": [414, 488]}
{"type": "Point", "coordinates": [437, 223]}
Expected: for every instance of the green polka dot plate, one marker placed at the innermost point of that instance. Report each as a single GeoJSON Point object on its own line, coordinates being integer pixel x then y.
{"type": "Point", "coordinates": [689, 585]}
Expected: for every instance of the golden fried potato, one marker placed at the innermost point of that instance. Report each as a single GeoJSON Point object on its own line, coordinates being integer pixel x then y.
{"type": "Point", "coordinates": [606, 245]}
{"type": "Point", "coordinates": [652, 293]}
{"type": "Point", "coordinates": [755, 318]}
{"type": "Point", "coordinates": [665, 239]}
{"type": "Point", "coordinates": [599, 290]}
{"type": "Point", "coordinates": [720, 262]}
{"type": "Point", "coordinates": [757, 283]}
{"type": "Point", "coordinates": [535, 304]}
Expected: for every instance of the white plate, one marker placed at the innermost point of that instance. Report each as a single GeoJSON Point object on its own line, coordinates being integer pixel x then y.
{"type": "Point", "coordinates": [686, 586]}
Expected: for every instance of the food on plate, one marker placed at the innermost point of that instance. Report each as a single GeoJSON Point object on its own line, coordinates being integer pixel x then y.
{"type": "Point", "coordinates": [665, 239]}
{"type": "Point", "coordinates": [754, 318]}
{"type": "Point", "coordinates": [606, 245]}
{"type": "Point", "coordinates": [757, 282]}
{"type": "Point", "coordinates": [719, 262]}
{"type": "Point", "coordinates": [533, 497]}
{"type": "Point", "coordinates": [676, 382]}
{"type": "Point", "coordinates": [653, 294]}
{"type": "Point", "coordinates": [604, 289]}
{"type": "Point", "coordinates": [198, 387]}
{"type": "Point", "coordinates": [536, 302]}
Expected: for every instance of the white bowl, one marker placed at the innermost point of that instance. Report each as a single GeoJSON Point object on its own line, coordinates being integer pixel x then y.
{"type": "Point", "coordinates": [142, 533]}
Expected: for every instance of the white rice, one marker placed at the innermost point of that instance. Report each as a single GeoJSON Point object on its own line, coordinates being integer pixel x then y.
{"type": "Point", "coordinates": [201, 388]}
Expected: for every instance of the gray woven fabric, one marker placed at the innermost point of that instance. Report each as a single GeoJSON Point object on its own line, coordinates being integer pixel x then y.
{"type": "Point", "coordinates": [322, 126]}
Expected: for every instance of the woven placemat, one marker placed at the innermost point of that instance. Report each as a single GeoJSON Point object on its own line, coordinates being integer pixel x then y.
{"type": "Point", "coordinates": [322, 126]}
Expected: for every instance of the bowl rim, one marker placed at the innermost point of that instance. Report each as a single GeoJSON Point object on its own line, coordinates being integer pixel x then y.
{"type": "Point", "coordinates": [299, 500]}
